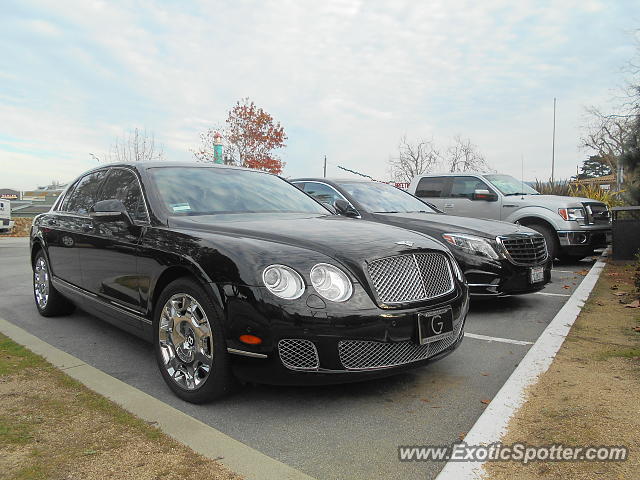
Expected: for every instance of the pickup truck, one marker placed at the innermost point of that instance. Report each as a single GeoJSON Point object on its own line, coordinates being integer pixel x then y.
{"type": "Point", "coordinates": [573, 227]}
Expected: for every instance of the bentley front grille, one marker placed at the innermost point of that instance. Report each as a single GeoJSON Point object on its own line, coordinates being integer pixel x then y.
{"type": "Point", "coordinates": [525, 250]}
{"type": "Point", "coordinates": [411, 278]}
{"type": "Point", "coordinates": [298, 354]}
{"type": "Point", "coordinates": [366, 354]}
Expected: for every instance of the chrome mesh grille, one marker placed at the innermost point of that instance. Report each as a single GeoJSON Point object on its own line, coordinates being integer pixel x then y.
{"type": "Point", "coordinates": [526, 250]}
{"type": "Point", "coordinates": [411, 278]}
{"type": "Point", "coordinates": [365, 354]}
{"type": "Point", "coordinates": [298, 354]}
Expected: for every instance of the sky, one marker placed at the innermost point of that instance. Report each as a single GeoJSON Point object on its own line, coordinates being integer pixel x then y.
{"type": "Point", "coordinates": [346, 78]}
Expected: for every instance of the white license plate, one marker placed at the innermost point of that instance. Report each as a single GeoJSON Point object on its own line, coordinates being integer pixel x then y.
{"type": "Point", "coordinates": [536, 274]}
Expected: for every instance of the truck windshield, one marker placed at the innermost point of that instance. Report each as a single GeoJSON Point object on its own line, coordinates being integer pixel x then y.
{"type": "Point", "coordinates": [509, 185]}
{"type": "Point", "coordinates": [383, 198]}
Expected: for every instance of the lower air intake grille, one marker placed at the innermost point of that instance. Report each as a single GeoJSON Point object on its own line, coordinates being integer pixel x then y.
{"type": "Point", "coordinates": [298, 354]}
{"type": "Point", "coordinates": [365, 354]}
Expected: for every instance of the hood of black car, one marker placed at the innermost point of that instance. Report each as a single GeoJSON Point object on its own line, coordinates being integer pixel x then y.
{"type": "Point", "coordinates": [435, 224]}
{"type": "Point", "coordinates": [350, 240]}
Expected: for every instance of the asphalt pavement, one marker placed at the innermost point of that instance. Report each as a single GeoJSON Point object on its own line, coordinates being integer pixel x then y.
{"type": "Point", "coordinates": [331, 433]}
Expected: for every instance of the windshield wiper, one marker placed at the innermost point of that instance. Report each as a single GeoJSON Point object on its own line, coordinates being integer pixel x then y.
{"type": "Point", "coordinates": [517, 193]}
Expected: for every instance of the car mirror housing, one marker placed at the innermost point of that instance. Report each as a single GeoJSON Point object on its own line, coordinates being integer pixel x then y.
{"type": "Point", "coordinates": [109, 211]}
{"type": "Point", "coordinates": [485, 195]}
{"type": "Point", "coordinates": [344, 208]}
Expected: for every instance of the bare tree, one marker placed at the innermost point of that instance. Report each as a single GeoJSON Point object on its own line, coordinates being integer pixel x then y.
{"type": "Point", "coordinates": [414, 158]}
{"type": "Point", "coordinates": [135, 146]}
{"type": "Point", "coordinates": [607, 135]}
{"type": "Point", "coordinates": [464, 156]}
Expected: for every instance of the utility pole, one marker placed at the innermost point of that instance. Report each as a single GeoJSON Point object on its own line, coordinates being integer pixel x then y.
{"type": "Point", "coordinates": [325, 167]}
{"type": "Point", "coordinates": [553, 144]}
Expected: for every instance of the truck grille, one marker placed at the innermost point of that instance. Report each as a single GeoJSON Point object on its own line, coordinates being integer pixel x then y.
{"type": "Point", "coordinates": [597, 214]}
{"type": "Point", "coordinates": [411, 278]}
{"type": "Point", "coordinates": [525, 250]}
{"type": "Point", "coordinates": [366, 354]}
{"type": "Point", "coordinates": [298, 354]}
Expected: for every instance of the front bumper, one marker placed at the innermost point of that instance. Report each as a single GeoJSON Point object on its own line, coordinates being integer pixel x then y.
{"type": "Point", "coordinates": [583, 241]}
{"type": "Point", "coordinates": [486, 277]}
{"type": "Point", "coordinates": [328, 333]}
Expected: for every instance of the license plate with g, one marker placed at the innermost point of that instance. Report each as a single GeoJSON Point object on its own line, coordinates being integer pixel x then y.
{"type": "Point", "coordinates": [435, 325]}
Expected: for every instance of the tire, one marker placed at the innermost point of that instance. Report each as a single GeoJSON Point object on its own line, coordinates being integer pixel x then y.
{"type": "Point", "coordinates": [49, 301]}
{"type": "Point", "coordinates": [189, 343]}
{"type": "Point", "coordinates": [550, 237]}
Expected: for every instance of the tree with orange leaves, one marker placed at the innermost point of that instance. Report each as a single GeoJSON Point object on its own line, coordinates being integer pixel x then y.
{"type": "Point", "coordinates": [250, 136]}
{"type": "Point", "coordinates": [254, 135]}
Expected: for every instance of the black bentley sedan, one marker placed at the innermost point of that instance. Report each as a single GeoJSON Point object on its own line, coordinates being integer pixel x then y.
{"type": "Point", "coordinates": [235, 273]}
{"type": "Point", "coordinates": [497, 258]}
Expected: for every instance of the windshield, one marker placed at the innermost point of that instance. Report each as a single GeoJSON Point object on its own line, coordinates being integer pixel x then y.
{"type": "Point", "coordinates": [206, 191]}
{"type": "Point", "coordinates": [509, 185]}
{"type": "Point", "coordinates": [383, 198]}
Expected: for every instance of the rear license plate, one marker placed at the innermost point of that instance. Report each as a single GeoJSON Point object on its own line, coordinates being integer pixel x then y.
{"type": "Point", "coordinates": [536, 274]}
{"type": "Point", "coordinates": [435, 325]}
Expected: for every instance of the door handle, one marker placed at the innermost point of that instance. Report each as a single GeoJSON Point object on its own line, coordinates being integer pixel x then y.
{"type": "Point", "coordinates": [505, 206]}
{"type": "Point", "coordinates": [448, 205]}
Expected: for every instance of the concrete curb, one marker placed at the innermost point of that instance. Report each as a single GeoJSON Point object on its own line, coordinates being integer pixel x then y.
{"type": "Point", "coordinates": [492, 424]}
{"type": "Point", "coordinates": [197, 435]}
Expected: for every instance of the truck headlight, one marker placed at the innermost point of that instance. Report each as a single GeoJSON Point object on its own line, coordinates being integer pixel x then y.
{"type": "Point", "coordinates": [472, 245]}
{"type": "Point", "coordinates": [571, 213]}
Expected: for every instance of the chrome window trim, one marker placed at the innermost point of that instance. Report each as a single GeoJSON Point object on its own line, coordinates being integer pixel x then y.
{"type": "Point", "coordinates": [305, 182]}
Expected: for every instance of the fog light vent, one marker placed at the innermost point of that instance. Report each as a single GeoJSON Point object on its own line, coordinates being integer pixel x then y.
{"type": "Point", "coordinates": [298, 354]}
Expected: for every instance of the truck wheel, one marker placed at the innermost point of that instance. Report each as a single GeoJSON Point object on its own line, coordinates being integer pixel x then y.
{"type": "Point", "coordinates": [550, 237]}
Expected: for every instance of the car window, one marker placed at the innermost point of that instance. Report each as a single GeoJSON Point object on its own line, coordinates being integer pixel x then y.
{"type": "Point", "coordinates": [123, 185]}
{"type": "Point", "coordinates": [378, 197]}
{"type": "Point", "coordinates": [321, 192]}
{"type": "Point", "coordinates": [211, 190]}
{"type": "Point", "coordinates": [83, 195]}
{"type": "Point", "coordinates": [431, 187]}
{"type": "Point", "coordinates": [463, 187]}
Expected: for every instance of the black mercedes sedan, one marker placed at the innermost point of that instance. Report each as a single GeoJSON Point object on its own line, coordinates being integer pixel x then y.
{"type": "Point", "coordinates": [236, 274]}
{"type": "Point", "coordinates": [497, 258]}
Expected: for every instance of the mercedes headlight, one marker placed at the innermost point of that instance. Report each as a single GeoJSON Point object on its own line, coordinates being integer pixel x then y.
{"type": "Point", "coordinates": [283, 281]}
{"type": "Point", "coordinates": [472, 245]}
{"type": "Point", "coordinates": [331, 282]}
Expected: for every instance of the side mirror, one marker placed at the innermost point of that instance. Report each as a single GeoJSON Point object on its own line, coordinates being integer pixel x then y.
{"type": "Point", "coordinates": [329, 207]}
{"type": "Point", "coordinates": [110, 211]}
{"type": "Point", "coordinates": [344, 208]}
{"type": "Point", "coordinates": [485, 195]}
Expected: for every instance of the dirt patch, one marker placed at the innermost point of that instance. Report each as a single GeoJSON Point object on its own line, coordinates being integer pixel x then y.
{"type": "Point", "coordinates": [21, 227]}
{"type": "Point", "coordinates": [53, 427]}
{"type": "Point", "coordinates": [589, 395]}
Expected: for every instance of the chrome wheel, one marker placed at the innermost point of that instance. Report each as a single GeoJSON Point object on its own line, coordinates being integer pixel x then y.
{"type": "Point", "coordinates": [186, 341]}
{"type": "Point", "coordinates": [41, 282]}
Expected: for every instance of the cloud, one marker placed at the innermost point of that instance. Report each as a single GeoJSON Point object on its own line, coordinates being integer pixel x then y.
{"type": "Point", "coordinates": [346, 78]}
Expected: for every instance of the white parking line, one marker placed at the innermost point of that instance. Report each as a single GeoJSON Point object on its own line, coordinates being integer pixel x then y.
{"type": "Point", "coordinates": [553, 294]}
{"type": "Point", "coordinates": [564, 271]}
{"type": "Point", "coordinates": [496, 339]}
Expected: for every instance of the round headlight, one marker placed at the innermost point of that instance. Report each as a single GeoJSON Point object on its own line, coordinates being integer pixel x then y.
{"type": "Point", "coordinates": [283, 281]}
{"type": "Point", "coordinates": [331, 282]}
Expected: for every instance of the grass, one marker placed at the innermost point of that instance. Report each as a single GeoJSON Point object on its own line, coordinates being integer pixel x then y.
{"type": "Point", "coordinates": [52, 427]}
{"type": "Point", "coordinates": [589, 394]}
